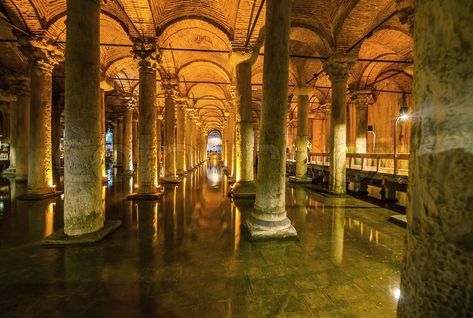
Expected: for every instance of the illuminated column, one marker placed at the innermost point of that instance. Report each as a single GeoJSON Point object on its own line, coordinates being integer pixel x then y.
{"type": "Point", "coordinates": [128, 105]}
{"type": "Point", "coordinates": [245, 186]}
{"type": "Point", "coordinates": [147, 174]}
{"type": "Point", "coordinates": [135, 143]}
{"type": "Point", "coordinates": [21, 87]}
{"type": "Point", "coordinates": [40, 177]}
{"type": "Point", "coordinates": [170, 90]}
{"type": "Point", "coordinates": [302, 94]}
{"type": "Point", "coordinates": [159, 141]}
{"type": "Point", "coordinates": [256, 145]}
{"type": "Point", "coordinates": [56, 132]}
{"type": "Point", "coordinates": [180, 138]}
{"type": "Point", "coordinates": [195, 139]}
{"type": "Point", "coordinates": [269, 219]}
{"type": "Point", "coordinates": [362, 100]}
{"type": "Point", "coordinates": [231, 144]}
{"type": "Point", "coordinates": [103, 131]}
{"type": "Point", "coordinates": [188, 138]}
{"type": "Point", "coordinates": [119, 135]}
{"type": "Point", "coordinates": [337, 67]}
{"type": "Point", "coordinates": [83, 205]}
{"type": "Point", "coordinates": [338, 230]}
{"type": "Point", "coordinates": [11, 170]}
{"type": "Point", "coordinates": [437, 270]}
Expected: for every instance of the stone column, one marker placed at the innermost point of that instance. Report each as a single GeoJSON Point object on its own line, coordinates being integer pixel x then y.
{"type": "Point", "coordinates": [128, 105]}
{"type": "Point", "coordinates": [11, 170]}
{"type": "Point", "coordinates": [119, 136]}
{"type": "Point", "coordinates": [83, 206]}
{"type": "Point", "coordinates": [231, 145]}
{"type": "Point", "coordinates": [302, 94]}
{"type": "Point", "coordinates": [180, 138]}
{"type": "Point", "coordinates": [256, 145]}
{"type": "Point", "coordinates": [43, 57]}
{"type": "Point", "coordinates": [159, 141]}
{"type": "Point", "coordinates": [21, 87]}
{"type": "Point", "coordinates": [56, 132]}
{"type": "Point", "coordinates": [170, 133]}
{"type": "Point", "coordinates": [245, 186]}
{"type": "Point", "coordinates": [103, 132]}
{"type": "Point", "coordinates": [134, 142]}
{"type": "Point", "coordinates": [437, 273]}
{"type": "Point", "coordinates": [362, 99]}
{"type": "Point", "coordinates": [269, 219]}
{"type": "Point", "coordinates": [188, 138]}
{"type": "Point", "coordinates": [337, 67]}
{"type": "Point", "coordinates": [147, 174]}
{"type": "Point", "coordinates": [115, 142]}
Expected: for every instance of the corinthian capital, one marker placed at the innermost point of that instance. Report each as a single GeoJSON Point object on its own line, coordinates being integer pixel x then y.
{"type": "Point", "coordinates": [338, 66]}
{"type": "Point", "coordinates": [41, 51]}
{"type": "Point", "coordinates": [170, 88]}
{"type": "Point", "coordinates": [145, 50]}
{"type": "Point", "coordinates": [243, 55]}
{"type": "Point", "coordinates": [19, 85]}
{"type": "Point", "coordinates": [362, 98]}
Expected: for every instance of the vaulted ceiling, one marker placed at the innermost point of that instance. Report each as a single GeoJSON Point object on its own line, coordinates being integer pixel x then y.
{"type": "Point", "coordinates": [196, 37]}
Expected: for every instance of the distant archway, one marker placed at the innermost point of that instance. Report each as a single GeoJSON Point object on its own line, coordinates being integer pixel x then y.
{"type": "Point", "coordinates": [214, 143]}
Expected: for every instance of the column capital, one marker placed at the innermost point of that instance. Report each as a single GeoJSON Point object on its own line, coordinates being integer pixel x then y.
{"type": "Point", "coordinates": [129, 103]}
{"type": "Point", "coordinates": [241, 55]}
{"type": "Point", "coordinates": [19, 85]}
{"type": "Point", "coordinates": [362, 98]}
{"type": "Point", "coordinates": [41, 51]}
{"type": "Point", "coordinates": [338, 66]}
{"type": "Point", "coordinates": [145, 50]}
{"type": "Point", "coordinates": [406, 13]}
{"type": "Point", "coordinates": [170, 88]}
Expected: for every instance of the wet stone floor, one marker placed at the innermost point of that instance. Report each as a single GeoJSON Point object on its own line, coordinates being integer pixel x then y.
{"type": "Point", "coordinates": [187, 255]}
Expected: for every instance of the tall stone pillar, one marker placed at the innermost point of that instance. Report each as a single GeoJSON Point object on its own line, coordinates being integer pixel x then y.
{"type": "Point", "coordinates": [245, 186]}
{"type": "Point", "coordinates": [115, 142]}
{"type": "Point", "coordinates": [302, 94]}
{"type": "Point", "coordinates": [231, 145]}
{"type": "Point", "coordinates": [170, 176]}
{"type": "Point", "coordinates": [337, 67]}
{"type": "Point", "coordinates": [159, 141]}
{"type": "Point", "coordinates": [11, 170]}
{"type": "Point", "coordinates": [42, 58]}
{"type": "Point", "coordinates": [437, 272]}
{"type": "Point", "coordinates": [188, 140]}
{"type": "Point", "coordinates": [128, 106]}
{"type": "Point", "coordinates": [56, 132]}
{"type": "Point", "coordinates": [269, 219]}
{"type": "Point", "coordinates": [256, 144]}
{"type": "Point", "coordinates": [20, 86]}
{"type": "Point", "coordinates": [147, 174]}
{"type": "Point", "coordinates": [83, 206]}
{"type": "Point", "coordinates": [119, 136]}
{"type": "Point", "coordinates": [134, 142]}
{"type": "Point", "coordinates": [362, 100]}
{"type": "Point", "coordinates": [180, 138]}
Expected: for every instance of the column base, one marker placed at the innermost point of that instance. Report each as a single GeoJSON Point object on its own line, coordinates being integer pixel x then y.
{"type": "Point", "coordinates": [37, 197]}
{"type": "Point", "coordinates": [265, 230]}
{"type": "Point", "coordinates": [171, 179]}
{"type": "Point", "coordinates": [181, 172]}
{"type": "Point", "coordinates": [9, 173]}
{"type": "Point", "coordinates": [305, 179]}
{"type": "Point", "coordinates": [398, 219]}
{"type": "Point", "coordinates": [128, 173]}
{"type": "Point", "coordinates": [59, 238]}
{"type": "Point", "coordinates": [243, 190]}
{"type": "Point", "coordinates": [104, 180]}
{"type": "Point", "coordinates": [146, 196]}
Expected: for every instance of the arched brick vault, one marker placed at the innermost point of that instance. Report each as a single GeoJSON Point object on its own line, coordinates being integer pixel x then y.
{"type": "Point", "coordinates": [319, 28]}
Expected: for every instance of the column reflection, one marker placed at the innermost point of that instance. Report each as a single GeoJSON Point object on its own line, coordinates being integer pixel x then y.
{"type": "Point", "coordinates": [338, 230]}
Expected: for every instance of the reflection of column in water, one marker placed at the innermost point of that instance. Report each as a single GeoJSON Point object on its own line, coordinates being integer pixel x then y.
{"type": "Point", "coordinates": [236, 222]}
{"type": "Point", "coordinates": [168, 215]}
{"type": "Point", "coordinates": [300, 196]}
{"type": "Point", "coordinates": [179, 203]}
{"type": "Point", "coordinates": [338, 228]}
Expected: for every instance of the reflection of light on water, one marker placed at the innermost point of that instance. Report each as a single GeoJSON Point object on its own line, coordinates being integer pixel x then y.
{"type": "Point", "coordinates": [214, 177]}
{"type": "Point", "coordinates": [49, 219]}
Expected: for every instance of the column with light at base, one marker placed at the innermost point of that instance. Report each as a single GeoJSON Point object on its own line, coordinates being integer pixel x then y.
{"type": "Point", "coordinates": [269, 218]}
{"type": "Point", "coordinates": [128, 106]}
{"type": "Point", "coordinates": [40, 175]}
{"type": "Point", "coordinates": [337, 67]}
{"type": "Point", "coordinates": [147, 174]}
{"type": "Point", "coordinates": [302, 94]}
{"type": "Point", "coordinates": [180, 138]}
{"type": "Point", "coordinates": [188, 138]}
{"type": "Point", "coordinates": [170, 90]}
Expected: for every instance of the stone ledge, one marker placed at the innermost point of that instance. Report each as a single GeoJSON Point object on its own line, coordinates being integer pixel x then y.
{"type": "Point", "coordinates": [145, 196]}
{"type": "Point", "coordinates": [170, 180]}
{"type": "Point", "coordinates": [398, 219]}
{"type": "Point", "coordinates": [294, 179]}
{"type": "Point", "coordinates": [37, 197]}
{"type": "Point", "coordinates": [243, 190]}
{"type": "Point", "coordinates": [59, 238]}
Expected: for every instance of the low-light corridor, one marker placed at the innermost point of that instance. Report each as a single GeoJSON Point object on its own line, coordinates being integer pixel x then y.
{"type": "Point", "coordinates": [187, 255]}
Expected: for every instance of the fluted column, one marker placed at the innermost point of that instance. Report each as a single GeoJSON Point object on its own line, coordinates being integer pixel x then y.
{"type": "Point", "coordinates": [20, 86]}
{"type": "Point", "coordinates": [159, 140]}
{"type": "Point", "coordinates": [119, 145]}
{"type": "Point", "coordinates": [128, 105]}
{"type": "Point", "coordinates": [337, 67]}
{"type": "Point", "coordinates": [269, 219]}
{"type": "Point", "coordinates": [362, 100]}
{"type": "Point", "coordinates": [231, 145]}
{"type": "Point", "coordinates": [170, 133]}
{"type": "Point", "coordinates": [135, 142]}
{"type": "Point", "coordinates": [147, 173]}
{"type": "Point", "coordinates": [302, 94]}
{"type": "Point", "coordinates": [43, 57]}
{"type": "Point", "coordinates": [180, 138]}
{"type": "Point", "coordinates": [83, 206]}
